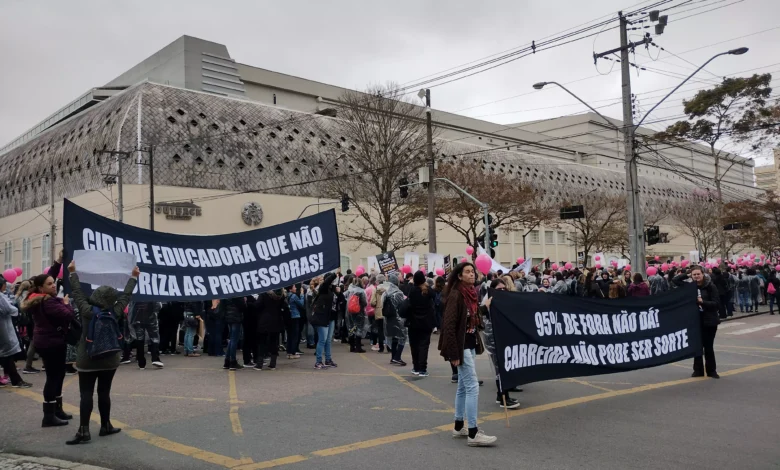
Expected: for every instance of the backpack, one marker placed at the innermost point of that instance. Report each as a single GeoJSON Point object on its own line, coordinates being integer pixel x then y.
{"type": "Point", "coordinates": [104, 337]}
{"type": "Point", "coordinates": [353, 306]}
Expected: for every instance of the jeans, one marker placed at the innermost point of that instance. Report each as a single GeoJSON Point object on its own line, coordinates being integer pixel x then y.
{"type": "Point", "coordinates": [189, 335]}
{"type": "Point", "coordinates": [770, 297]}
{"type": "Point", "coordinates": [292, 335]}
{"type": "Point", "coordinates": [87, 389]}
{"type": "Point", "coordinates": [310, 339]}
{"type": "Point", "coordinates": [234, 330]}
{"type": "Point", "coordinates": [755, 300]}
{"type": "Point", "coordinates": [744, 301]}
{"type": "Point", "coordinates": [467, 396]}
{"type": "Point", "coordinates": [324, 338]}
{"type": "Point", "coordinates": [419, 342]}
{"type": "Point", "coordinates": [708, 343]}
{"type": "Point", "coordinates": [54, 362]}
{"type": "Point", "coordinates": [730, 304]}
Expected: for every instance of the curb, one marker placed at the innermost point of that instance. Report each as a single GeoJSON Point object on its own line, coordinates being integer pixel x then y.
{"type": "Point", "coordinates": [45, 463]}
{"type": "Point", "coordinates": [744, 316]}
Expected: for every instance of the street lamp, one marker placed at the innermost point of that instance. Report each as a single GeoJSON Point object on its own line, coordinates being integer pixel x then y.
{"type": "Point", "coordinates": [540, 85]}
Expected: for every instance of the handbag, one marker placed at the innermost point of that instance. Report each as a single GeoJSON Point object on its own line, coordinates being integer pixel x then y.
{"type": "Point", "coordinates": [73, 335]}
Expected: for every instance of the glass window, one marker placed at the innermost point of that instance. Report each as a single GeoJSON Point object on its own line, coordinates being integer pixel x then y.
{"type": "Point", "coordinates": [549, 237]}
{"type": "Point", "coordinates": [8, 255]}
{"type": "Point", "coordinates": [45, 252]}
{"type": "Point", "coordinates": [562, 237]}
{"type": "Point", "coordinates": [534, 236]}
{"type": "Point", "coordinates": [346, 263]}
{"type": "Point", "coordinates": [26, 256]}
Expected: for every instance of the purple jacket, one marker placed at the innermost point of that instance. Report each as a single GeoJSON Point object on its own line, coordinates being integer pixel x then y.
{"type": "Point", "coordinates": [638, 290]}
{"type": "Point", "coordinates": [52, 318]}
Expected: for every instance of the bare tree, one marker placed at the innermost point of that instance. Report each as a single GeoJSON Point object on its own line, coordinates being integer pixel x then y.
{"type": "Point", "coordinates": [698, 217]}
{"type": "Point", "coordinates": [604, 226]}
{"type": "Point", "coordinates": [760, 221]}
{"type": "Point", "coordinates": [386, 140]}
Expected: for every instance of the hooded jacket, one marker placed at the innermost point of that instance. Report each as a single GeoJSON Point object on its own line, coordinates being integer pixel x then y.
{"type": "Point", "coordinates": [52, 317]}
{"type": "Point", "coordinates": [144, 313]}
{"type": "Point", "coordinates": [105, 298]}
{"type": "Point", "coordinates": [322, 302]}
{"type": "Point", "coordinates": [421, 315]}
{"type": "Point", "coordinates": [710, 306]}
{"type": "Point", "coordinates": [392, 300]}
{"type": "Point", "coordinates": [271, 311]}
{"type": "Point", "coordinates": [658, 284]}
{"type": "Point", "coordinates": [9, 343]}
{"type": "Point", "coordinates": [640, 289]}
{"type": "Point", "coordinates": [234, 309]}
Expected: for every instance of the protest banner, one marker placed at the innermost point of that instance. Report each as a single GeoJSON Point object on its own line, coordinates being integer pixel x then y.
{"type": "Point", "coordinates": [189, 267]}
{"type": "Point", "coordinates": [387, 263]}
{"type": "Point", "coordinates": [447, 266]}
{"type": "Point", "coordinates": [544, 336]}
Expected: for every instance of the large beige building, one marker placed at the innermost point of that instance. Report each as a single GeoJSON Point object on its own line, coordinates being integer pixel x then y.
{"type": "Point", "coordinates": [226, 134]}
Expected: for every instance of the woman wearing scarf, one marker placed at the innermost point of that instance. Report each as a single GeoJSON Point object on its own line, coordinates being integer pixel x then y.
{"type": "Point", "coordinates": [459, 343]}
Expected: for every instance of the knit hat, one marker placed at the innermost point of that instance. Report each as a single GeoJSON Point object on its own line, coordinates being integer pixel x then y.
{"type": "Point", "coordinates": [419, 278]}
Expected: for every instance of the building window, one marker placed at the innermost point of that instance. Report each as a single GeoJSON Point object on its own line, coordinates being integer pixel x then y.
{"type": "Point", "coordinates": [45, 252]}
{"type": "Point", "coordinates": [549, 237]}
{"type": "Point", "coordinates": [562, 237]}
{"type": "Point", "coordinates": [8, 255]}
{"type": "Point", "coordinates": [26, 257]}
{"type": "Point", "coordinates": [534, 236]}
{"type": "Point", "coordinates": [346, 263]}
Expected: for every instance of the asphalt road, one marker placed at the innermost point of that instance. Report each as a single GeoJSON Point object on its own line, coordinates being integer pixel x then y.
{"type": "Point", "coordinates": [367, 414]}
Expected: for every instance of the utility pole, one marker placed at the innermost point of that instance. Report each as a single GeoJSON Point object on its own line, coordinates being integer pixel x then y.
{"type": "Point", "coordinates": [431, 178]}
{"type": "Point", "coordinates": [120, 206]}
{"type": "Point", "coordinates": [52, 220]}
{"type": "Point", "coordinates": [151, 188]}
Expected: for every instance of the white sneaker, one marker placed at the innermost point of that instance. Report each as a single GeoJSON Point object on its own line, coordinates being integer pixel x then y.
{"type": "Point", "coordinates": [157, 364]}
{"type": "Point", "coordinates": [482, 440]}
{"type": "Point", "coordinates": [464, 432]}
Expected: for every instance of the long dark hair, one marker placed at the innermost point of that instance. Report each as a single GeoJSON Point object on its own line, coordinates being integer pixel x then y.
{"type": "Point", "coordinates": [38, 282]}
{"type": "Point", "coordinates": [454, 280]}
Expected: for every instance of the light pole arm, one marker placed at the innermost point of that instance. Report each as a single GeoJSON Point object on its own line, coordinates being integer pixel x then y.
{"type": "Point", "coordinates": [583, 102]}
{"type": "Point", "coordinates": [312, 205]}
{"type": "Point", "coordinates": [484, 206]}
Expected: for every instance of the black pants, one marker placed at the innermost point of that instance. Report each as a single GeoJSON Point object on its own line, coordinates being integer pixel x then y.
{"type": "Point", "coordinates": [250, 346]}
{"type": "Point", "coordinates": [54, 362]}
{"type": "Point", "coordinates": [139, 352]}
{"type": "Point", "coordinates": [378, 333]}
{"type": "Point", "coordinates": [9, 369]}
{"type": "Point", "coordinates": [708, 342]}
{"type": "Point", "coordinates": [267, 343]}
{"type": "Point", "coordinates": [87, 389]}
{"type": "Point", "coordinates": [168, 337]}
{"type": "Point", "coordinates": [419, 342]}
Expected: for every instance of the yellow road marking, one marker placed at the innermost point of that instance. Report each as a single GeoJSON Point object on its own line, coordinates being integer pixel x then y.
{"type": "Point", "coordinates": [69, 381]}
{"type": "Point", "coordinates": [751, 355]}
{"type": "Point", "coordinates": [372, 443]}
{"type": "Point", "coordinates": [235, 422]}
{"type": "Point", "coordinates": [406, 382]}
{"type": "Point", "coordinates": [588, 384]}
{"type": "Point", "coordinates": [150, 438]}
{"type": "Point", "coordinates": [746, 347]}
{"type": "Point", "coordinates": [679, 365]}
{"type": "Point", "coordinates": [416, 410]}
{"type": "Point", "coordinates": [135, 395]}
{"type": "Point", "coordinates": [273, 463]}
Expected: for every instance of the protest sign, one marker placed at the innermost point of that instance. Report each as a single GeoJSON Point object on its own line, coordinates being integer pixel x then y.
{"type": "Point", "coordinates": [447, 266]}
{"type": "Point", "coordinates": [107, 268]}
{"type": "Point", "coordinates": [189, 267]}
{"type": "Point", "coordinates": [387, 263]}
{"type": "Point", "coordinates": [544, 336]}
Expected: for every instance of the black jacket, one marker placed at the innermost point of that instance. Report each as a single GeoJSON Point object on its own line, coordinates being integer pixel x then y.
{"type": "Point", "coordinates": [710, 307]}
{"type": "Point", "coordinates": [171, 314]}
{"type": "Point", "coordinates": [322, 302]}
{"type": "Point", "coordinates": [271, 310]}
{"type": "Point", "coordinates": [421, 314]}
{"type": "Point", "coordinates": [234, 309]}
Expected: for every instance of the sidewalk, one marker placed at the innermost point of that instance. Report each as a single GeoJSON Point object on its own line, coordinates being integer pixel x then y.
{"type": "Point", "coordinates": [762, 310]}
{"type": "Point", "coordinates": [23, 462]}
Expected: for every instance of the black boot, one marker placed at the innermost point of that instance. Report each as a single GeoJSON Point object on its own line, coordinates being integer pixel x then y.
{"type": "Point", "coordinates": [359, 345]}
{"type": "Point", "coordinates": [59, 412]}
{"type": "Point", "coordinates": [352, 344]}
{"type": "Point", "coordinates": [82, 436]}
{"type": "Point", "coordinates": [107, 429]}
{"type": "Point", "coordinates": [49, 418]}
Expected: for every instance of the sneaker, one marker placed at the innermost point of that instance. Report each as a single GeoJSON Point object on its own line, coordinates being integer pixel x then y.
{"type": "Point", "coordinates": [293, 356]}
{"type": "Point", "coordinates": [300, 353]}
{"type": "Point", "coordinates": [415, 372]}
{"type": "Point", "coordinates": [225, 366]}
{"type": "Point", "coordinates": [511, 403]}
{"type": "Point", "coordinates": [271, 368]}
{"type": "Point", "coordinates": [258, 367]}
{"type": "Point", "coordinates": [247, 365]}
{"type": "Point", "coordinates": [331, 364]}
{"type": "Point", "coordinates": [232, 367]}
{"type": "Point", "coordinates": [482, 440]}
{"type": "Point", "coordinates": [70, 370]}
{"type": "Point", "coordinates": [394, 361]}
{"type": "Point", "coordinates": [423, 373]}
{"type": "Point", "coordinates": [238, 366]}
{"type": "Point", "coordinates": [157, 364]}
{"type": "Point", "coordinates": [22, 384]}
{"type": "Point", "coordinates": [125, 361]}
{"type": "Point", "coordinates": [400, 363]}
{"type": "Point", "coordinates": [713, 375]}
{"type": "Point", "coordinates": [375, 347]}
{"type": "Point", "coordinates": [142, 368]}
{"type": "Point", "coordinates": [454, 379]}
{"type": "Point", "coordinates": [320, 366]}
{"type": "Point", "coordinates": [4, 380]}
{"type": "Point", "coordinates": [464, 432]}
{"type": "Point", "coordinates": [30, 370]}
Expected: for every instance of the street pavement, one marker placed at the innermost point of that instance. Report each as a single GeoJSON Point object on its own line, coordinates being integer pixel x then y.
{"type": "Point", "coordinates": [368, 414]}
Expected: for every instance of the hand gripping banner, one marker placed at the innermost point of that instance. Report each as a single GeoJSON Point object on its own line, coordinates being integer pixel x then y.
{"type": "Point", "coordinates": [191, 267]}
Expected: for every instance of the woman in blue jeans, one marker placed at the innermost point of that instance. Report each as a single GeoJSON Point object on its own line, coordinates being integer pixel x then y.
{"type": "Point", "coordinates": [323, 319]}
{"type": "Point", "coordinates": [459, 343]}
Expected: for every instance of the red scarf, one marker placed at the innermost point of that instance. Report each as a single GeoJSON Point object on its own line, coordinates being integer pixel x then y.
{"type": "Point", "coordinates": [469, 293]}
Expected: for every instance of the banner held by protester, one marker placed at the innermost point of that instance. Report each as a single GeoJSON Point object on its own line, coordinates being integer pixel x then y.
{"type": "Point", "coordinates": [545, 337]}
{"type": "Point", "coordinates": [387, 263]}
{"type": "Point", "coordinates": [186, 267]}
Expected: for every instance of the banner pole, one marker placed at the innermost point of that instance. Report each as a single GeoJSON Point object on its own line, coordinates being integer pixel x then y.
{"type": "Point", "coordinates": [506, 410]}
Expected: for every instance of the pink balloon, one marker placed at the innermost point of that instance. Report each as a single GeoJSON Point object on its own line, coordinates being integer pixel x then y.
{"type": "Point", "coordinates": [598, 265]}
{"type": "Point", "coordinates": [777, 268]}
{"type": "Point", "coordinates": [568, 266]}
{"type": "Point", "coordinates": [59, 276]}
{"type": "Point", "coordinates": [554, 266]}
{"type": "Point", "coordinates": [752, 256]}
{"type": "Point", "coordinates": [652, 271]}
{"type": "Point", "coordinates": [9, 275]}
{"type": "Point", "coordinates": [360, 270]}
{"type": "Point", "coordinates": [440, 271]}
{"type": "Point", "coordinates": [750, 263]}
{"type": "Point", "coordinates": [520, 260]}
{"type": "Point", "coordinates": [719, 260]}
{"type": "Point", "coordinates": [684, 263]}
{"type": "Point", "coordinates": [762, 257]}
{"type": "Point", "coordinates": [484, 263]}
{"type": "Point", "coordinates": [422, 270]}
{"type": "Point", "coordinates": [469, 250]}
{"type": "Point", "coordinates": [657, 258]}
{"type": "Point", "coordinates": [464, 260]}
{"type": "Point", "coordinates": [19, 271]}
{"type": "Point", "coordinates": [675, 263]}
{"type": "Point", "coordinates": [406, 269]}
{"type": "Point", "coordinates": [664, 267]}
{"type": "Point", "coordinates": [627, 267]}
{"type": "Point", "coordinates": [707, 265]}
{"type": "Point", "coordinates": [597, 258]}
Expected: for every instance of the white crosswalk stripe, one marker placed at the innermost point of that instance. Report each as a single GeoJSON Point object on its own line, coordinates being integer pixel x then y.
{"type": "Point", "coordinates": [754, 329]}
{"type": "Point", "coordinates": [730, 324]}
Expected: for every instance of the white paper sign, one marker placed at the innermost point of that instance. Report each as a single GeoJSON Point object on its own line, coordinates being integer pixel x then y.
{"type": "Point", "coordinates": [104, 268]}
{"type": "Point", "coordinates": [373, 265]}
{"type": "Point", "coordinates": [435, 261]}
{"type": "Point", "coordinates": [412, 259]}
{"type": "Point", "coordinates": [693, 256]}
{"type": "Point", "coordinates": [525, 267]}
{"type": "Point", "coordinates": [601, 259]}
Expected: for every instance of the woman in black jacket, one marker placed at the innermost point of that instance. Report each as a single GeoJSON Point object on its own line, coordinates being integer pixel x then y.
{"type": "Point", "coordinates": [709, 307]}
{"type": "Point", "coordinates": [422, 319]}
{"type": "Point", "coordinates": [721, 283]}
{"type": "Point", "coordinates": [271, 309]}
{"type": "Point", "coordinates": [323, 318]}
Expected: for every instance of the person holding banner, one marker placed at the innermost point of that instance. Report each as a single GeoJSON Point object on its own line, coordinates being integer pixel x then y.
{"type": "Point", "coordinates": [502, 396]}
{"type": "Point", "coordinates": [709, 307]}
{"type": "Point", "coordinates": [459, 343]}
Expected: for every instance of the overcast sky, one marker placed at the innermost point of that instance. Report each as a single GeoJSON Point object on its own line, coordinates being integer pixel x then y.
{"type": "Point", "coordinates": [53, 51]}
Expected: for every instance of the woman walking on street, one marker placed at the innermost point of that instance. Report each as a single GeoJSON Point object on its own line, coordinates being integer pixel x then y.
{"type": "Point", "coordinates": [459, 343]}
{"type": "Point", "coordinates": [97, 370]}
{"type": "Point", "coordinates": [52, 316]}
{"type": "Point", "coordinates": [422, 320]}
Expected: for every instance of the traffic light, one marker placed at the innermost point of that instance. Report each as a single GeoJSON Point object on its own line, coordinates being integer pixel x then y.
{"type": "Point", "coordinates": [653, 235]}
{"type": "Point", "coordinates": [344, 202]}
{"type": "Point", "coordinates": [493, 239]}
{"type": "Point", "coordinates": [403, 186]}
{"type": "Point", "coordinates": [493, 242]}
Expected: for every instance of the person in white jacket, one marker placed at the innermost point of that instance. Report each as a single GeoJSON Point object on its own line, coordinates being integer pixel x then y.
{"type": "Point", "coordinates": [9, 342]}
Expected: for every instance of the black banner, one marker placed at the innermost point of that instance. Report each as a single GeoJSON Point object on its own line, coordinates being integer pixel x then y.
{"type": "Point", "coordinates": [190, 267]}
{"type": "Point", "coordinates": [387, 263]}
{"type": "Point", "coordinates": [447, 266]}
{"type": "Point", "coordinates": [546, 336]}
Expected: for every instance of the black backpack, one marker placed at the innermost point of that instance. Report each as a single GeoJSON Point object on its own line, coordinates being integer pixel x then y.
{"type": "Point", "coordinates": [104, 337]}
